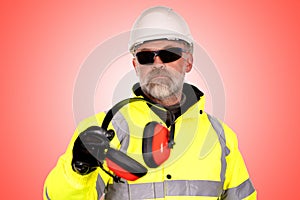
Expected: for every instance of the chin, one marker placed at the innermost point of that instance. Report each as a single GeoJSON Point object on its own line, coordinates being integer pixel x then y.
{"type": "Point", "coordinates": [159, 91]}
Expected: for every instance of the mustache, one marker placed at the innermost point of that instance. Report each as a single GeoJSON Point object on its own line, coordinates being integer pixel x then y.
{"type": "Point", "coordinates": [158, 72]}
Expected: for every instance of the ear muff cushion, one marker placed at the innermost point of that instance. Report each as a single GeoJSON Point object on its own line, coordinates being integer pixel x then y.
{"type": "Point", "coordinates": [155, 144]}
{"type": "Point", "coordinates": [124, 166]}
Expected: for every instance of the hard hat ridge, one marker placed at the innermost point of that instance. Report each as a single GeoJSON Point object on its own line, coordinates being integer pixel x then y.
{"type": "Point", "coordinates": [158, 23]}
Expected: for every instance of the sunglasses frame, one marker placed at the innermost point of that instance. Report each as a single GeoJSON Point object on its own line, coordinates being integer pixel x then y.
{"type": "Point", "coordinates": [158, 52]}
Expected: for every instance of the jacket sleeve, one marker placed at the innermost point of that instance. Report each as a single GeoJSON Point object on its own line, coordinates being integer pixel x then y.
{"type": "Point", "coordinates": [63, 183]}
{"type": "Point", "coordinates": [237, 184]}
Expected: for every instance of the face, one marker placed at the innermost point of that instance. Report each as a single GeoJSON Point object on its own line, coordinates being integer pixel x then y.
{"type": "Point", "coordinates": [162, 79]}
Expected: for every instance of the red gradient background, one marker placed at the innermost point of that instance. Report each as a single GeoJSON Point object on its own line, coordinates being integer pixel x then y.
{"type": "Point", "coordinates": [254, 44]}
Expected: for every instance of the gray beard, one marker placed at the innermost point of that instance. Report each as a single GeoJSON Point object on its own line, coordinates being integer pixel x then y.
{"type": "Point", "coordinates": [163, 87]}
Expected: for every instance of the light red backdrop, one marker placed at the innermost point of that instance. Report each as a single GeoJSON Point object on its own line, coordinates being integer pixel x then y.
{"type": "Point", "coordinates": [254, 44]}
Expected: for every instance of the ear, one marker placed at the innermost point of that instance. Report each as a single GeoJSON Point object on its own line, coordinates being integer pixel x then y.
{"type": "Point", "coordinates": [134, 63]}
{"type": "Point", "coordinates": [189, 63]}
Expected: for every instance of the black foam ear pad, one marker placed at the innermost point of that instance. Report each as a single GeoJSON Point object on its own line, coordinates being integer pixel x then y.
{"type": "Point", "coordinates": [124, 166]}
{"type": "Point", "coordinates": [155, 144]}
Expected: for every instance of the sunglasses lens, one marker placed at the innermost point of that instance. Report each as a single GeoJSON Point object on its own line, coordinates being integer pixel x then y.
{"type": "Point", "coordinates": [145, 57]}
{"type": "Point", "coordinates": [166, 55]}
{"type": "Point", "coordinates": [170, 55]}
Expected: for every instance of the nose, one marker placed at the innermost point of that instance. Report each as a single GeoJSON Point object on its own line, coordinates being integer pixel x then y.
{"type": "Point", "coordinates": [158, 63]}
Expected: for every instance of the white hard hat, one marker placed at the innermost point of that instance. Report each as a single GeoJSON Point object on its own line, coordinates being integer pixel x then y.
{"type": "Point", "coordinates": [159, 23]}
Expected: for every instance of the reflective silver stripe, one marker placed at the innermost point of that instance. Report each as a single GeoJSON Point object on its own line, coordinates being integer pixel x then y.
{"type": "Point", "coordinates": [242, 191]}
{"type": "Point", "coordinates": [100, 186]}
{"type": "Point", "coordinates": [219, 129]}
{"type": "Point", "coordinates": [146, 190]}
{"type": "Point", "coordinates": [221, 135]}
{"type": "Point", "coordinates": [122, 130]}
{"type": "Point", "coordinates": [117, 191]}
{"type": "Point", "coordinates": [194, 188]}
{"type": "Point", "coordinates": [159, 191]}
{"type": "Point", "coordinates": [162, 189]}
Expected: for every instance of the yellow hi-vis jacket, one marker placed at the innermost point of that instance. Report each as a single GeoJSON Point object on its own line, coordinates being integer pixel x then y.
{"type": "Point", "coordinates": [205, 162]}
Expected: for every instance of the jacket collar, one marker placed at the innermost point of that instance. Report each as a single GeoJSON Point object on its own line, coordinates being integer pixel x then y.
{"type": "Point", "coordinates": [191, 96]}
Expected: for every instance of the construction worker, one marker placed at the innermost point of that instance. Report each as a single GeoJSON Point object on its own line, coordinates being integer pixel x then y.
{"type": "Point", "coordinates": [114, 155]}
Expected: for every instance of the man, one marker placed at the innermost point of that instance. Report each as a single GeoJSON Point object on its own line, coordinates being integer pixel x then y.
{"type": "Point", "coordinates": [203, 161]}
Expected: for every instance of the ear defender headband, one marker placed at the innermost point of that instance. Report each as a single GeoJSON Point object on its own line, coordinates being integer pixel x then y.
{"type": "Point", "coordinates": [156, 146]}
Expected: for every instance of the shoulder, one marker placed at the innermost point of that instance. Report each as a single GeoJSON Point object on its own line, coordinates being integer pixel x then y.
{"type": "Point", "coordinates": [224, 131]}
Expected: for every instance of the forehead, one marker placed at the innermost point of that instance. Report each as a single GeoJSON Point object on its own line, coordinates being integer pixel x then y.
{"type": "Point", "coordinates": [160, 44]}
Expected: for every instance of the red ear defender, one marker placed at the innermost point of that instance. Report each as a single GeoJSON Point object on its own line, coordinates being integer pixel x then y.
{"type": "Point", "coordinates": [155, 147]}
{"type": "Point", "coordinates": [124, 166]}
{"type": "Point", "coordinates": [157, 142]}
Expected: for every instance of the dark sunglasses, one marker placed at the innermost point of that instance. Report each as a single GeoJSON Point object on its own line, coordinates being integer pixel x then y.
{"type": "Point", "coordinates": [166, 55]}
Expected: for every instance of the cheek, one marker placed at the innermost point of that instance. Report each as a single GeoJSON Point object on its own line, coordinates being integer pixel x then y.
{"type": "Point", "coordinates": [141, 72]}
{"type": "Point", "coordinates": [179, 66]}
